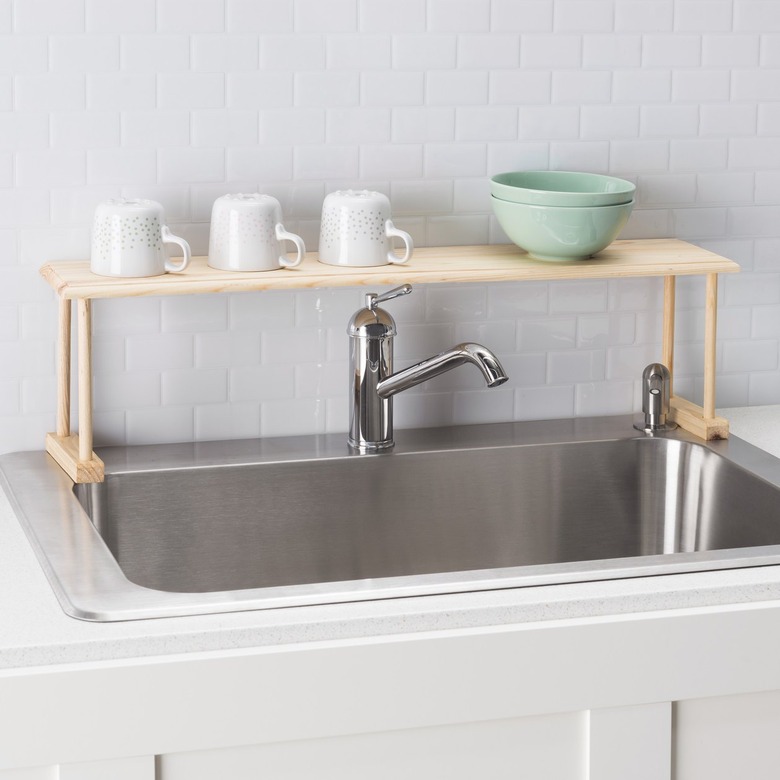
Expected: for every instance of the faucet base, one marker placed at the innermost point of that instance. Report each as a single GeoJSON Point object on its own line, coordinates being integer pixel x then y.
{"type": "Point", "coordinates": [651, 429]}
{"type": "Point", "coordinates": [366, 448]}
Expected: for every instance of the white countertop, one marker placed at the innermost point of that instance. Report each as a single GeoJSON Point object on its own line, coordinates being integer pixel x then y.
{"type": "Point", "coordinates": [35, 631]}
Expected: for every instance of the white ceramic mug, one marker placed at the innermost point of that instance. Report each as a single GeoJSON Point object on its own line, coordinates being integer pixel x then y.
{"type": "Point", "coordinates": [129, 237]}
{"type": "Point", "coordinates": [357, 230]}
{"type": "Point", "coordinates": [247, 234]}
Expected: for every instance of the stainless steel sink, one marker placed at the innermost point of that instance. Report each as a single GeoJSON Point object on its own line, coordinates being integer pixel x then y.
{"type": "Point", "coordinates": [225, 526]}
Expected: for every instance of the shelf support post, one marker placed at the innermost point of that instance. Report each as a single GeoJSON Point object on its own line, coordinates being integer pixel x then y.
{"type": "Point", "coordinates": [63, 368]}
{"type": "Point", "coordinates": [667, 345]}
{"type": "Point", "coordinates": [73, 452]}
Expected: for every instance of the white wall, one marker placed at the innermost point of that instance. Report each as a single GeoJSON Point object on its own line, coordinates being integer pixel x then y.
{"type": "Point", "coordinates": [184, 100]}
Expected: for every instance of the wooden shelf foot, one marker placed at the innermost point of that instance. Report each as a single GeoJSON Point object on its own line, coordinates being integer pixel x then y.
{"type": "Point", "coordinates": [65, 450]}
{"type": "Point", "coordinates": [690, 417]}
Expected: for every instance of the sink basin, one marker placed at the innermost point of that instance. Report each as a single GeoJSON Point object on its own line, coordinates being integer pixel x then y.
{"type": "Point", "coordinates": [226, 526]}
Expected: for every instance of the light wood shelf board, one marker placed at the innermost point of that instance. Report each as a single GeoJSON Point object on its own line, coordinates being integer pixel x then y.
{"type": "Point", "coordinates": [492, 263]}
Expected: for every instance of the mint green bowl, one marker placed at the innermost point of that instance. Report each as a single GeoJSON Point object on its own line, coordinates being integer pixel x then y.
{"type": "Point", "coordinates": [561, 188]}
{"type": "Point", "coordinates": [560, 233]}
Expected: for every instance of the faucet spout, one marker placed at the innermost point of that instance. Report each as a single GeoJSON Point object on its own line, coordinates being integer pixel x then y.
{"type": "Point", "coordinates": [476, 354]}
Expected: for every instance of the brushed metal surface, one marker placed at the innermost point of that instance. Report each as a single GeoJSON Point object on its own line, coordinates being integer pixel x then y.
{"type": "Point", "coordinates": [223, 526]}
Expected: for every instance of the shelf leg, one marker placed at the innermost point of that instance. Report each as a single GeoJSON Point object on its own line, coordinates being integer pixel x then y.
{"type": "Point", "coordinates": [85, 378]}
{"type": "Point", "coordinates": [73, 452]}
{"type": "Point", "coordinates": [667, 346]}
{"type": "Point", "coordinates": [701, 420]}
{"type": "Point", "coordinates": [710, 332]}
{"type": "Point", "coordinates": [63, 369]}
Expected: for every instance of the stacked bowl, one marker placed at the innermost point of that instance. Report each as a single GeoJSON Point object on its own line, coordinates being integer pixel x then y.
{"type": "Point", "coordinates": [561, 215]}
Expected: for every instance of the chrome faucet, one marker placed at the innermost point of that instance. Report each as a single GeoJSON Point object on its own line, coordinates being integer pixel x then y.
{"type": "Point", "coordinates": [373, 383]}
{"type": "Point", "coordinates": [656, 382]}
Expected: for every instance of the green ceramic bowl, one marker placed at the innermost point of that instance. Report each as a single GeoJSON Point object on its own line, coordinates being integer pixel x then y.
{"type": "Point", "coordinates": [560, 233]}
{"type": "Point", "coordinates": [561, 188]}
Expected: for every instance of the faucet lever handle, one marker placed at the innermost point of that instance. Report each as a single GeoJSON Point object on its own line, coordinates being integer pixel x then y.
{"type": "Point", "coordinates": [374, 299]}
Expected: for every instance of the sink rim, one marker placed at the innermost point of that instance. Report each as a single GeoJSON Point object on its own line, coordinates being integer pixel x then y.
{"type": "Point", "coordinates": [90, 585]}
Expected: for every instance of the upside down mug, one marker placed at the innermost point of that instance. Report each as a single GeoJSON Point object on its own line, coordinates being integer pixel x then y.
{"type": "Point", "coordinates": [357, 230]}
{"type": "Point", "coordinates": [129, 237]}
{"type": "Point", "coordinates": [247, 234]}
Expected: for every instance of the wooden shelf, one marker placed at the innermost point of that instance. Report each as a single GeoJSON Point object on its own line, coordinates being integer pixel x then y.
{"type": "Point", "coordinates": [497, 263]}
{"type": "Point", "coordinates": [668, 258]}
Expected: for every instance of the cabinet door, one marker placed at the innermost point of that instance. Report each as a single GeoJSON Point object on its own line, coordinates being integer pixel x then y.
{"type": "Point", "coordinates": [726, 737]}
{"type": "Point", "coordinates": [543, 748]}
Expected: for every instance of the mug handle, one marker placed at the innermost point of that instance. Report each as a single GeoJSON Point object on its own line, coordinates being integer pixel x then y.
{"type": "Point", "coordinates": [169, 238]}
{"type": "Point", "coordinates": [283, 235]}
{"type": "Point", "coordinates": [392, 231]}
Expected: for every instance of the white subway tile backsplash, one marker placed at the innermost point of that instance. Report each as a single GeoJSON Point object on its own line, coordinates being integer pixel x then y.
{"type": "Point", "coordinates": [82, 53]}
{"type": "Point", "coordinates": [456, 88]}
{"type": "Point", "coordinates": [697, 223]}
{"type": "Point", "coordinates": [80, 129]}
{"type": "Point", "coordinates": [192, 16]}
{"type": "Point", "coordinates": [767, 189]}
{"type": "Point", "coordinates": [255, 163]}
{"type": "Point", "coordinates": [149, 129]}
{"type": "Point", "coordinates": [604, 398]}
{"type": "Point", "coordinates": [676, 51]}
{"type": "Point", "coordinates": [71, 206]}
{"type": "Point", "coordinates": [259, 90]}
{"type": "Point", "coordinates": [254, 383]}
{"type": "Point", "coordinates": [670, 121]}
{"type": "Point", "coordinates": [359, 51]}
{"type": "Point", "coordinates": [292, 416]}
{"type": "Point", "coordinates": [611, 51]}
{"type": "Point", "coordinates": [159, 425]}
{"type": "Point", "coordinates": [730, 51]}
{"type": "Point", "coordinates": [575, 297]}
{"type": "Point", "coordinates": [391, 88]}
{"type": "Point", "coordinates": [750, 355]}
{"type": "Point", "coordinates": [444, 160]}
{"type": "Point", "coordinates": [201, 386]}
{"type": "Point", "coordinates": [155, 53]}
{"type": "Point", "coordinates": [259, 16]}
{"type": "Point", "coordinates": [292, 126]}
{"type": "Point", "coordinates": [548, 122]}
{"type": "Point", "coordinates": [465, 16]}
{"type": "Point", "coordinates": [544, 403]}
{"type": "Point", "coordinates": [753, 220]}
{"type": "Point", "coordinates": [334, 88]}
{"type": "Point", "coordinates": [551, 333]}
{"type": "Point", "coordinates": [121, 91]}
{"type": "Point", "coordinates": [391, 161]}
{"type": "Point", "coordinates": [225, 53]}
{"type": "Point", "coordinates": [215, 422]}
{"type": "Point", "coordinates": [421, 197]}
{"type": "Point", "coordinates": [469, 408]}
{"type": "Point", "coordinates": [701, 85]}
{"type": "Point", "coordinates": [524, 16]}
{"type": "Point", "coordinates": [23, 54]}
{"type": "Point", "coordinates": [703, 15]}
{"type": "Point", "coordinates": [478, 123]}
{"type": "Point", "coordinates": [655, 86]}
{"type": "Point", "coordinates": [764, 388]}
{"type": "Point", "coordinates": [119, 16]}
{"type": "Point", "coordinates": [584, 16]}
{"type": "Point", "coordinates": [582, 86]}
{"type": "Point", "coordinates": [415, 124]}
{"type": "Point", "coordinates": [423, 51]}
{"type": "Point", "coordinates": [53, 168]}
{"type": "Point", "coordinates": [756, 15]}
{"type": "Point", "coordinates": [573, 366]}
{"type": "Point", "coordinates": [294, 53]}
{"type": "Point", "coordinates": [185, 314]}
{"type": "Point", "coordinates": [48, 16]}
{"type": "Point", "coordinates": [401, 16]}
{"type": "Point", "coordinates": [516, 86]}
{"type": "Point", "coordinates": [551, 51]}
{"type": "Point", "coordinates": [458, 231]}
{"type": "Point", "coordinates": [494, 51]}
{"type": "Point", "coordinates": [670, 189]}
{"type": "Point", "coordinates": [223, 128]}
{"type": "Point", "coordinates": [333, 16]}
{"type": "Point", "coordinates": [122, 166]}
{"type": "Point", "coordinates": [698, 154]}
{"type": "Point", "coordinates": [325, 162]}
{"type": "Point", "coordinates": [191, 90]}
{"type": "Point", "coordinates": [48, 91]}
{"type": "Point", "coordinates": [645, 16]}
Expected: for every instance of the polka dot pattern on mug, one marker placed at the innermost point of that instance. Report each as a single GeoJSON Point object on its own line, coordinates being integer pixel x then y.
{"type": "Point", "coordinates": [243, 226]}
{"type": "Point", "coordinates": [113, 232]}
